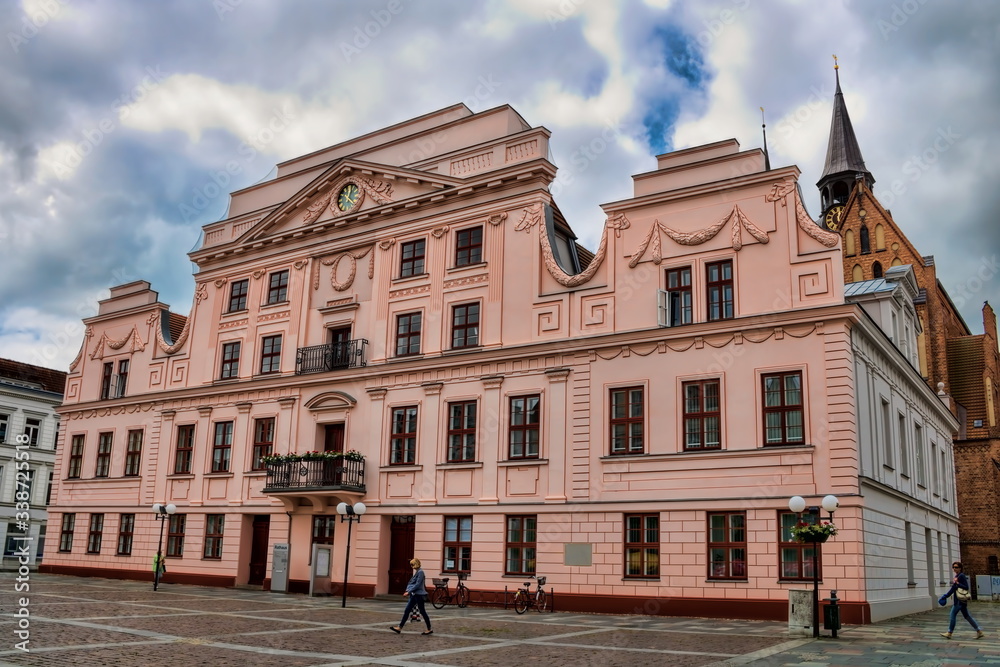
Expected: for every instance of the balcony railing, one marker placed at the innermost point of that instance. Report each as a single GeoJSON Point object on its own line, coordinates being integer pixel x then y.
{"type": "Point", "coordinates": [342, 474]}
{"type": "Point", "coordinates": [334, 356]}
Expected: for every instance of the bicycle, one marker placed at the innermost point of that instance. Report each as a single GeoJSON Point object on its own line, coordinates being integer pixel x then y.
{"type": "Point", "coordinates": [442, 596]}
{"type": "Point", "coordinates": [523, 599]}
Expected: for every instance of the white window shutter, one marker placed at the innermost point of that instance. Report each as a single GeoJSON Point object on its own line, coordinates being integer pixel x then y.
{"type": "Point", "coordinates": [663, 308]}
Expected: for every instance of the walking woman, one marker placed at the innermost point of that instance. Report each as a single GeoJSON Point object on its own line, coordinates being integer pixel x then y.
{"type": "Point", "coordinates": [959, 582]}
{"type": "Point", "coordinates": [418, 595]}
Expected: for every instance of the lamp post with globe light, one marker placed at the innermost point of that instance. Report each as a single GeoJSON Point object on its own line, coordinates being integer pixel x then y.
{"type": "Point", "coordinates": [797, 504]}
{"type": "Point", "coordinates": [350, 514]}
{"type": "Point", "coordinates": [162, 513]}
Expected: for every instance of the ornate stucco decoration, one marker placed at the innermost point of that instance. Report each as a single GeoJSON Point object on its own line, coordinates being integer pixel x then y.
{"type": "Point", "coordinates": [379, 191]}
{"type": "Point", "coordinates": [133, 338]}
{"type": "Point", "coordinates": [334, 264]}
{"type": "Point", "coordinates": [737, 216]}
{"type": "Point", "coordinates": [717, 342]}
{"type": "Point", "coordinates": [87, 335]}
{"type": "Point", "coordinates": [386, 244]}
{"type": "Point", "coordinates": [805, 223]}
{"type": "Point", "coordinates": [438, 232]}
{"type": "Point", "coordinates": [155, 321]}
{"type": "Point", "coordinates": [497, 218]}
{"type": "Point", "coordinates": [200, 293]}
{"type": "Point", "coordinates": [534, 215]}
{"type": "Point", "coordinates": [221, 282]}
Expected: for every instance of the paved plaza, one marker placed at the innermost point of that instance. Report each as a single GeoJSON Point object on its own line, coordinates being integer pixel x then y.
{"type": "Point", "coordinates": [80, 621]}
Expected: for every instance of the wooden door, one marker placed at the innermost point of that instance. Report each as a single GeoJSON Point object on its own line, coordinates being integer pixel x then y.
{"type": "Point", "coordinates": [333, 438]}
{"type": "Point", "coordinates": [340, 345]}
{"type": "Point", "coordinates": [401, 539]}
{"type": "Point", "coordinates": [258, 549]}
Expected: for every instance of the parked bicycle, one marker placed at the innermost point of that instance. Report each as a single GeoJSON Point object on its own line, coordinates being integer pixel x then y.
{"type": "Point", "coordinates": [525, 599]}
{"type": "Point", "coordinates": [442, 595]}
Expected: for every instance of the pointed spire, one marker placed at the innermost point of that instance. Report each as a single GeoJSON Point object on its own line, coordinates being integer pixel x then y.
{"type": "Point", "coordinates": [763, 129]}
{"type": "Point", "coordinates": [844, 163]}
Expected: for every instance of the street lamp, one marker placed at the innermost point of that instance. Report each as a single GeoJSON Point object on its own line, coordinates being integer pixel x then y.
{"type": "Point", "coordinates": [162, 512]}
{"type": "Point", "coordinates": [797, 504]}
{"type": "Point", "coordinates": [350, 514]}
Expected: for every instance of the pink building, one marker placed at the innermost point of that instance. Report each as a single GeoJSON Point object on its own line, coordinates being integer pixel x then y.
{"type": "Point", "coordinates": [629, 423]}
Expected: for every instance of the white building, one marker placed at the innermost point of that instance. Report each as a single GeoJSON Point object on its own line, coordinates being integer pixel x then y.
{"type": "Point", "coordinates": [28, 398]}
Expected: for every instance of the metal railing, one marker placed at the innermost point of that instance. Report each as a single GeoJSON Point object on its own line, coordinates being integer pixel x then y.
{"type": "Point", "coordinates": [345, 474]}
{"type": "Point", "coordinates": [333, 356]}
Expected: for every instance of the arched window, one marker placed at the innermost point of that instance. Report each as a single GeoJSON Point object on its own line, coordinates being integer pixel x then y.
{"type": "Point", "coordinates": [879, 237]}
{"type": "Point", "coordinates": [865, 244]}
{"type": "Point", "coordinates": [876, 270]}
{"type": "Point", "coordinates": [849, 248]}
{"type": "Point", "coordinates": [897, 261]}
{"type": "Point", "coordinates": [840, 192]}
{"type": "Point", "coordinates": [857, 275]}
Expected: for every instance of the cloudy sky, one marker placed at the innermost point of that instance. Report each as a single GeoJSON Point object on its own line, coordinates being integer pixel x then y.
{"type": "Point", "coordinates": [117, 119]}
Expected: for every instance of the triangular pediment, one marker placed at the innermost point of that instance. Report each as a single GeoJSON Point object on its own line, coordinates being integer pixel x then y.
{"type": "Point", "coordinates": [347, 189]}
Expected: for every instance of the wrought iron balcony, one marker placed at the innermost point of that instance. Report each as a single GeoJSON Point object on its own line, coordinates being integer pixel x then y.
{"type": "Point", "coordinates": [333, 474]}
{"type": "Point", "coordinates": [334, 356]}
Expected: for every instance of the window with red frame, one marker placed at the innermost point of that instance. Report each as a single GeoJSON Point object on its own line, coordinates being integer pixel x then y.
{"type": "Point", "coordinates": [461, 431]}
{"type": "Point", "coordinates": [403, 446]}
{"type": "Point", "coordinates": [412, 258]}
{"type": "Point", "coordinates": [408, 334]}
{"type": "Point", "coordinates": [230, 360]}
{"type": "Point", "coordinates": [175, 535]}
{"type": "Point", "coordinates": [133, 454]}
{"type": "Point", "coordinates": [222, 446]}
{"type": "Point", "coordinates": [185, 447]}
{"type": "Point", "coordinates": [457, 544]}
{"type": "Point", "coordinates": [642, 546]}
{"type": "Point", "coordinates": [96, 534]}
{"type": "Point", "coordinates": [525, 427]}
{"type": "Point", "coordinates": [238, 295]}
{"type": "Point", "coordinates": [783, 423]}
{"type": "Point", "coordinates": [75, 467]}
{"type": "Point", "coordinates": [679, 296]}
{"type": "Point", "coordinates": [465, 326]}
{"type": "Point", "coordinates": [277, 289]}
{"type": "Point", "coordinates": [270, 354]}
{"type": "Point", "coordinates": [469, 246]}
{"type": "Point", "coordinates": [796, 557]}
{"type": "Point", "coordinates": [702, 415]}
{"type": "Point", "coordinates": [214, 524]}
{"type": "Point", "coordinates": [727, 545]}
{"type": "Point", "coordinates": [104, 442]}
{"type": "Point", "coordinates": [263, 441]}
{"type": "Point", "coordinates": [627, 421]}
{"type": "Point", "coordinates": [66, 533]}
{"type": "Point", "coordinates": [520, 545]}
{"type": "Point", "coordinates": [719, 283]}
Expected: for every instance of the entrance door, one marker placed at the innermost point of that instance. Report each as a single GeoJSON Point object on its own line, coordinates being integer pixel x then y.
{"type": "Point", "coordinates": [401, 539]}
{"type": "Point", "coordinates": [333, 438]}
{"type": "Point", "coordinates": [258, 549]}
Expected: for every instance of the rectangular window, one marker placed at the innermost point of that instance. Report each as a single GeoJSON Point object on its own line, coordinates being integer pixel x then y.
{"type": "Point", "coordinates": [24, 480]}
{"type": "Point", "coordinates": [214, 524]}
{"type": "Point", "coordinates": [412, 258]}
{"type": "Point", "coordinates": [133, 454]}
{"type": "Point", "coordinates": [15, 538]}
{"type": "Point", "coordinates": [920, 462]}
{"type": "Point", "coordinates": [104, 442]}
{"type": "Point", "coordinates": [238, 290]}
{"type": "Point", "coordinates": [520, 544]}
{"type": "Point", "coordinates": [933, 461]}
{"type": "Point", "coordinates": [469, 246]}
{"type": "Point", "coordinates": [66, 533]}
{"type": "Point", "coordinates": [270, 355]}
{"type": "Point", "coordinates": [783, 424]}
{"type": "Point", "coordinates": [75, 466]}
{"type": "Point", "coordinates": [222, 446]}
{"type": "Point", "coordinates": [96, 534]}
{"type": "Point", "coordinates": [796, 557]}
{"type": "Point", "coordinates": [407, 334]}
{"type": "Point", "coordinates": [32, 429]}
{"type": "Point", "coordinates": [702, 415]}
{"type": "Point", "coordinates": [461, 432]}
{"type": "Point", "coordinates": [727, 545]}
{"type": "Point", "coordinates": [126, 527]}
{"type": "Point", "coordinates": [403, 448]}
{"type": "Point", "coordinates": [719, 283]}
{"type": "Point", "coordinates": [277, 288]}
{"type": "Point", "coordinates": [887, 433]}
{"type": "Point", "coordinates": [185, 447]}
{"type": "Point", "coordinates": [263, 441]}
{"type": "Point", "coordinates": [627, 421]}
{"type": "Point", "coordinates": [108, 373]}
{"type": "Point", "coordinates": [323, 527]}
{"type": "Point", "coordinates": [525, 427]}
{"type": "Point", "coordinates": [642, 546]}
{"type": "Point", "coordinates": [230, 360]}
{"type": "Point", "coordinates": [465, 326]}
{"type": "Point", "coordinates": [904, 451]}
{"type": "Point", "coordinates": [679, 296]}
{"type": "Point", "coordinates": [457, 544]}
{"type": "Point", "coordinates": [175, 535]}
{"type": "Point", "coordinates": [4, 425]}
{"type": "Point", "coordinates": [123, 366]}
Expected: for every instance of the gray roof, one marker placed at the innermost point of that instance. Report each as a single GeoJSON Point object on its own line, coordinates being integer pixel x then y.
{"type": "Point", "coordinates": [868, 287]}
{"type": "Point", "coordinates": [843, 154]}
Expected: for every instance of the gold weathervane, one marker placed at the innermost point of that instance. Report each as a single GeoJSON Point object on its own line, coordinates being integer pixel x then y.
{"type": "Point", "coordinates": [835, 65]}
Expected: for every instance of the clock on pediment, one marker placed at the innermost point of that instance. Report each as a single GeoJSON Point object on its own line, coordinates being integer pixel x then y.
{"type": "Point", "coordinates": [834, 218]}
{"type": "Point", "coordinates": [348, 197]}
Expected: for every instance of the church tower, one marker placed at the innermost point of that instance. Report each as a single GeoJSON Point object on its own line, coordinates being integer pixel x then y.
{"type": "Point", "coordinates": [844, 164]}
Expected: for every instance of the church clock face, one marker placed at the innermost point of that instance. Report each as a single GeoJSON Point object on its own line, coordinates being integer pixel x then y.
{"type": "Point", "coordinates": [348, 197]}
{"type": "Point", "coordinates": [832, 219]}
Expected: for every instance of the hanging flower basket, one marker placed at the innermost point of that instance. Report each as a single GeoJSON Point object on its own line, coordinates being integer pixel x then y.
{"type": "Point", "coordinates": [814, 533]}
{"type": "Point", "coordinates": [352, 455]}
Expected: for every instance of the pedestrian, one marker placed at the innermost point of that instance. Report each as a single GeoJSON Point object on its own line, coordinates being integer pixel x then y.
{"type": "Point", "coordinates": [418, 596]}
{"type": "Point", "coordinates": [959, 582]}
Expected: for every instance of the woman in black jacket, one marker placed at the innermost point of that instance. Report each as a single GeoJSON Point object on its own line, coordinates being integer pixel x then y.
{"type": "Point", "coordinates": [959, 581]}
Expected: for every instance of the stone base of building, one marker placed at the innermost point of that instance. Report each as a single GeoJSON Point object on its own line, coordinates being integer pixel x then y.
{"type": "Point", "coordinates": [140, 575]}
